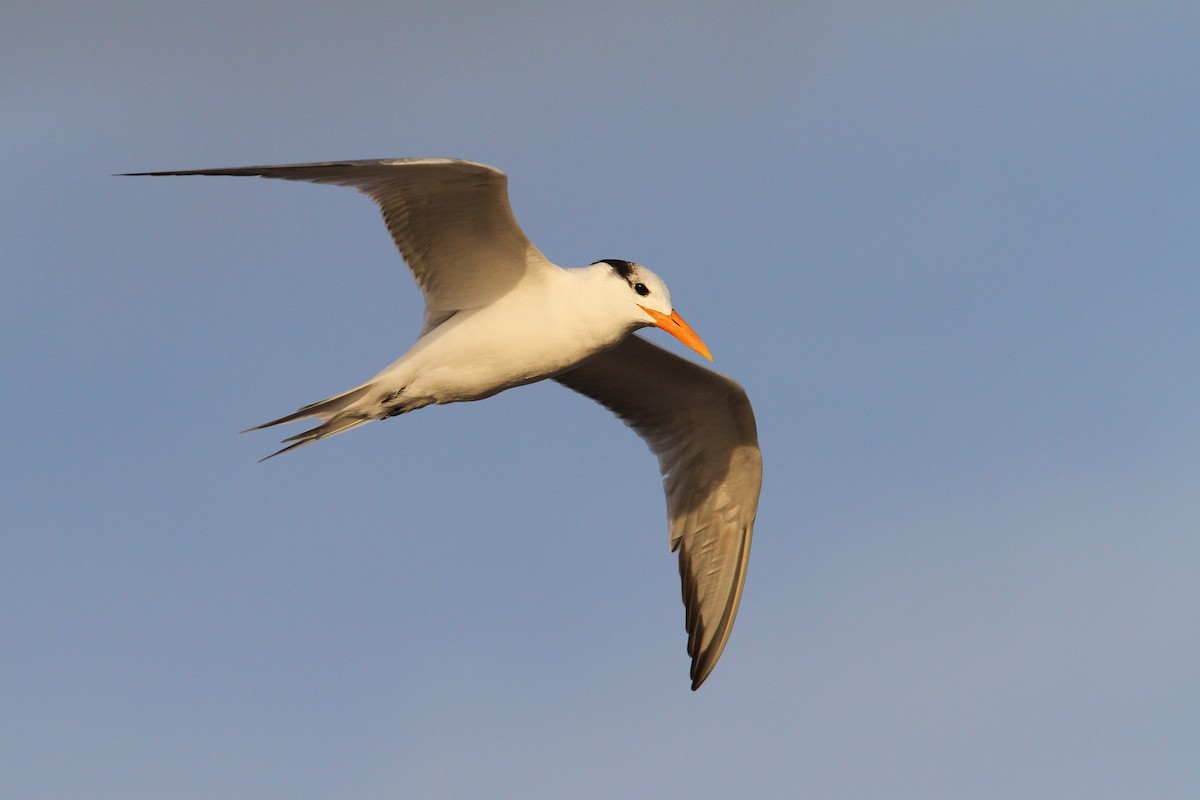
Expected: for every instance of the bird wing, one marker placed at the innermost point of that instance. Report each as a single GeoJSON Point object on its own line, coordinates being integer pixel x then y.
{"type": "Point", "coordinates": [701, 427]}
{"type": "Point", "coordinates": [450, 220]}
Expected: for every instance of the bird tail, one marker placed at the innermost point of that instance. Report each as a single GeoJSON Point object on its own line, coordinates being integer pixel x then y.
{"type": "Point", "coordinates": [337, 414]}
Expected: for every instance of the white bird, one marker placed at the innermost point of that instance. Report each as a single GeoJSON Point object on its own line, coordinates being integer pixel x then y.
{"type": "Point", "coordinates": [498, 314]}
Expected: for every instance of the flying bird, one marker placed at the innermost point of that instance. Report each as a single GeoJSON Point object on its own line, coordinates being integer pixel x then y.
{"type": "Point", "coordinates": [498, 314]}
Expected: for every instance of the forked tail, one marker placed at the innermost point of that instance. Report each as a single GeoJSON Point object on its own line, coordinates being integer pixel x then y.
{"type": "Point", "coordinates": [336, 413]}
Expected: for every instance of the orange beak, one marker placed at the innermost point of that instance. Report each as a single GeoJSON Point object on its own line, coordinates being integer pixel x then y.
{"type": "Point", "coordinates": [674, 325]}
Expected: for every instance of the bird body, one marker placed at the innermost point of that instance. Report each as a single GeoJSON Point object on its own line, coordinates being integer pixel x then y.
{"type": "Point", "coordinates": [498, 314]}
{"type": "Point", "coordinates": [548, 323]}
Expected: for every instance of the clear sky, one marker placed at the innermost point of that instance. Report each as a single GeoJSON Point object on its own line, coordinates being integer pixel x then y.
{"type": "Point", "coordinates": [950, 250]}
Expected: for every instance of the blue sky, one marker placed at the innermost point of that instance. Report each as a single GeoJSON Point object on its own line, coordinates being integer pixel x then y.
{"type": "Point", "coordinates": [949, 249]}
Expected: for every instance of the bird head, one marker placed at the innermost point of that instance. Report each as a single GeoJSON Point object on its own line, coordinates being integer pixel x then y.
{"type": "Point", "coordinates": [653, 303]}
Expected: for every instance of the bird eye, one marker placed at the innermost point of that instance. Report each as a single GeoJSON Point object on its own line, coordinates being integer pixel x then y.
{"type": "Point", "coordinates": [641, 289]}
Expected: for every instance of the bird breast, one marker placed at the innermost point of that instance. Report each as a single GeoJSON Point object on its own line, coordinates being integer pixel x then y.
{"type": "Point", "coordinates": [521, 338]}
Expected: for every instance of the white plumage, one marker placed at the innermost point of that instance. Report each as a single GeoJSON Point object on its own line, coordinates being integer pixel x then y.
{"type": "Point", "coordinates": [498, 314]}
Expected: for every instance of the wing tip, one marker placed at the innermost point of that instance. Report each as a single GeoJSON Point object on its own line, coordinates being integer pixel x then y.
{"type": "Point", "coordinates": [706, 647]}
{"type": "Point", "coordinates": [699, 679]}
{"type": "Point", "coordinates": [319, 166]}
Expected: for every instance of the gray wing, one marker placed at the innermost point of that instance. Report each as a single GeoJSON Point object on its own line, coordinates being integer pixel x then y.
{"type": "Point", "coordinates": [450, 220]}
{"type": "Point", "coordinates": [701, 427]}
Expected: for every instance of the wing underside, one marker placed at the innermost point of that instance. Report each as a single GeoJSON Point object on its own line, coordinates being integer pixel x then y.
{"type": "Point", "coordinates": [701, 427]}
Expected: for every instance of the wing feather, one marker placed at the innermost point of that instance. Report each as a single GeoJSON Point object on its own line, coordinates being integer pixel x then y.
{"type": "Point", "coordinates": [701, 427]}
{"type": "Point", "coordinates": [450, 219]}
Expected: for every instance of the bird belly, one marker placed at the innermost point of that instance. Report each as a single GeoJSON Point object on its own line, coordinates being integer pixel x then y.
{"type": "Point", "coordinates": [480, 353]}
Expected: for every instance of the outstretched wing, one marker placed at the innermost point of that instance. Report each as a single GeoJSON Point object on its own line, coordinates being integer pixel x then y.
{"type": "Point", "coordinates": [450, 220]}
{"type": "Point", "coordinates": [701, 427]}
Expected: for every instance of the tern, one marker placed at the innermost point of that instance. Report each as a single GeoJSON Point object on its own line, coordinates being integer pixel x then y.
{"type": "Point", "coordinates": [498, 314]}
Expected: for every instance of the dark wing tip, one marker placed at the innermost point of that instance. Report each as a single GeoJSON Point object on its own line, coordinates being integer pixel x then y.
{"type": "Point", "coordinates": [704, 661]}
{"type": "Point", "coordinates": [305, 171]}
{"type": "Point", "coordinates": [706, 642]}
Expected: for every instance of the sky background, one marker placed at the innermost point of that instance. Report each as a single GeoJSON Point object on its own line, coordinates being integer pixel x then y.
{"type": "Point", "coordinates": [949, 249]}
